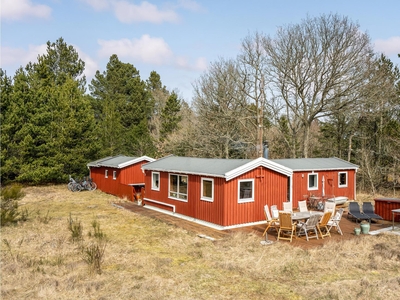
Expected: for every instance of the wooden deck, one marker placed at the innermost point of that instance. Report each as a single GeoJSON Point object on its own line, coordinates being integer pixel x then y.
{"type": "Point", "coordinates": [346, 225]}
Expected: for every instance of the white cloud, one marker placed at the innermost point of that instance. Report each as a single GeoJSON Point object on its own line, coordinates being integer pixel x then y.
{"type": "Point", "coordinates": [128, 12]}
{"type": "Point", "coordinates": [146, 49]}
{"type": "Point", "coordinates": [149, 50]}
{"type": "Point", "coordinates": [145, 12]}
{"type": "Point", "coordinates": [21, 9]}
{"type": "Point", "coordinates": [11, 57]}
{"type": "Point", "coordinates": [389, 47]}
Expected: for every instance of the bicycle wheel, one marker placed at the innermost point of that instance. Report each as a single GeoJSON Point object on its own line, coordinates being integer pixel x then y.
{"type": "Point", "coordinates": [70, 186]}
{"type": "Point", "coordinates": [93, 186]}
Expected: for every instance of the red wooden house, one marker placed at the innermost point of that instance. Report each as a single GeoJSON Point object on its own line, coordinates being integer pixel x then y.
{"type": "Point", "coordinates": [120, 175]}
{"type": "Point", "coordinates": [225, 193]}
{"type": "Point", "coordinates": [321, 177]}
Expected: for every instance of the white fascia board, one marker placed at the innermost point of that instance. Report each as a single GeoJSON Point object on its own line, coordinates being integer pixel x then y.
{"type": "Point", "coordinates": [258, 163]}
{"type": "Point", "coordinates": [134, 161]}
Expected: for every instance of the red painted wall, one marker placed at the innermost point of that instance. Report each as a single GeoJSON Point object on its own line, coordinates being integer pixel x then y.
{"type": "Point", "coordinates": [120, 186]}
{"type": "Point", "coordinates": [269, 188]}
{"type": "Point", "coordinates": [300, 185]}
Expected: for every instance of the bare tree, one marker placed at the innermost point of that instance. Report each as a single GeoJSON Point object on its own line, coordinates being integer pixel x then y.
{"type": "Point", "coordinates": [220, 109]}
{"type": "Point", "coordinates": [317, 68]}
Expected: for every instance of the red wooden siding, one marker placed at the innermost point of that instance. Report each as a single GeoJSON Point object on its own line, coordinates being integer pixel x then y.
{"type": "Point", "coordinates": [269, 188]}
{"type": "Point", "coordinates": [121, 186]}
{"type": "Point", "coordinates": [384, 206]}
{"type": "Point", "coordinates": [300, 185]}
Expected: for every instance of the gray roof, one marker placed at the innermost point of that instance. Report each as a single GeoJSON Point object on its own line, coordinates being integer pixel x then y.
{"type": "Point", "coordinates": [119, 161]}
{"type": "Point", "coordinates": [309, 164]}
{"type": "Point", "coordinates": [195, 165]}
{"type": "Point", "coordinates": [217, 167]}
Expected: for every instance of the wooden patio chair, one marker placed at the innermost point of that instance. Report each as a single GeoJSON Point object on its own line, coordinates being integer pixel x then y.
{"type": "Point", "coordinates": [271, 223]}
{"type": "Point", "coordinates": [335, 220]}
{"type": "Point", "coordinates": [287, 229]}
{"type": "Point", "coordinates": [303, 206]}
{"type": "Point", "coordinates": [322, 226]}
{"type": "Point", "coordinates": [309, 226]}
{"type": "Point", "coordinates": [287, 206]}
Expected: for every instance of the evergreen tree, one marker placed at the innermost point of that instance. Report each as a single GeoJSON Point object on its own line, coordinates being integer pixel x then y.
{"type": "Point", "coordinates": [123, 106]}
{"type": "Point", "coordinates": [170, 117]}
{"type": "Point", "coordinates": [53, 124]}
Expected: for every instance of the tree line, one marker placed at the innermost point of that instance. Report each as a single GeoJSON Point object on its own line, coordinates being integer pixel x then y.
{"type": "Point", "coordinates": [315, 89]}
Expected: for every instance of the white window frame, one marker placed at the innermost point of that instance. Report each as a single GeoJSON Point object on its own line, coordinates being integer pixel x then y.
{"type": "Point", "coordinates": [202, 197]}
{"type": "Point", "coordinates": [114, 175]}
{"type": "Point", "coordinates": [245, 200]}
{"type": "Point", "coordinates": [312, 188]}
{"type": "Point", "coordinates": [177, 194]}
{"type": "Point", "coordinates": [106, 174]}
{"type": "Point", "coordinates": [347, 179]}
{"type": "Point", "coordinates": [154, 186]}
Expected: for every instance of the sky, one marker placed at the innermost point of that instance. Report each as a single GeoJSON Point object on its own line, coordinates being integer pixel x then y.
{"type": "Point", "coordinates": [177, 38]}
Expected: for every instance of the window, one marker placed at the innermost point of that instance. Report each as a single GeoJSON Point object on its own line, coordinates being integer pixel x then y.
{"type": "Point", "coordinates": [178, 186]}
{"type": "Point", "coordinates": [246, 188]}
{"type": "Point", "coordinates": [155, 181]}
{"type": "Point", "coordinates": [342, 179]}
{"type": "Point", "coordinates": [114, 175]}
{"type": "Point", "coordinates": [207, 189]}
{"type": "Point", "coordinates": [106, 174]}
{"type": "Point", "coordinates": [312, 181]}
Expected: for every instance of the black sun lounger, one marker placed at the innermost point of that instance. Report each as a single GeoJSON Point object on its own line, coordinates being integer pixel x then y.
{"type": "Point", "coordinates": [354, 212]}
{"type": "Point", "coordinates": [368, 210]}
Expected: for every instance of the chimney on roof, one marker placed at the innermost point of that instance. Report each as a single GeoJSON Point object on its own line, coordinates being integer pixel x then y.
{"type": "Point", "coordinates": [265, 152]}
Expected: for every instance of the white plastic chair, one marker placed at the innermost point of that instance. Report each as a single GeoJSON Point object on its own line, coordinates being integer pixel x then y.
{"type": "Point", "coordinates": [309, 225]}
{"type": "Point", "coordinates": [334, 221]}
{"type": "Point", "coordinates": [303, 206]}
{"type": "Point", "coordinates": [330, 206]}
{"type": "Point", "coordinates": [287, 206]}
{"type": "Point", "coordinates": [274, 212]}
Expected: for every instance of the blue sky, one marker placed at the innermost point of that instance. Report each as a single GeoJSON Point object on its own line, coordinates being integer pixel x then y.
{"type": "Point", "coordinates": [176, 38]}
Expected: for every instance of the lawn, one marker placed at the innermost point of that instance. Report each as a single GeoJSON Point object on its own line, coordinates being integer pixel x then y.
{"type": "Point", "coordinates": [147, 259]}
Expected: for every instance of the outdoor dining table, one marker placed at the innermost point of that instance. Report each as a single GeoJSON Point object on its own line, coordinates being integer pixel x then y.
{"type": "Point", "coordinates": [305, 215]}
{"type": "Point", "coordinates": [394, 211]}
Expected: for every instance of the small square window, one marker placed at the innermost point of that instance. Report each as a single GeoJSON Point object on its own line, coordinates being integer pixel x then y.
{"type": "Point", "coordinates": [246, 191]}
{"type": "Point", "coordinates": [312, 181]}
{"type": "Point", "coordinates": [207, 189]}
{"type": "Point", "coordinates": [155, 181]}
{"type": "Point", "coordinates": [342, 179]}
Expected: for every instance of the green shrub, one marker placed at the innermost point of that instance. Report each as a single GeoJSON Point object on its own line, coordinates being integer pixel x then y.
{"type": "Point", "coordinates": [97, 232]}
{"type": "Point", "coordinates": [76, 229]}
{"type": "Point", "coordinates": [93, 255]}
{"type": "Point", "coordinates": [9, 204]}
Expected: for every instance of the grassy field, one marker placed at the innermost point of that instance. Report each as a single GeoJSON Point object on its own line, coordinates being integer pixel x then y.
{"type": "Point", "coordinates": [148, 259]}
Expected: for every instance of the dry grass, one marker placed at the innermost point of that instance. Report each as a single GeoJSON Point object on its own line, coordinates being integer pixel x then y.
{"type": "Point", "coordinates": [148, 259]}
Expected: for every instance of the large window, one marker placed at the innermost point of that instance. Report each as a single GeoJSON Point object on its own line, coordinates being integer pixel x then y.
{"type": "Point", "coordinates": [342, 179]}
{"type": "Point", "coordinates": [207, 189]}
{"type": "Point", "coordinates": [312, 181]}
{"type": "Point", "coordinates": [246, 190]}
{"type": "Point", "coordinates": [178, 187]}
{"type": "Point", "coordinates": [155, 181]}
